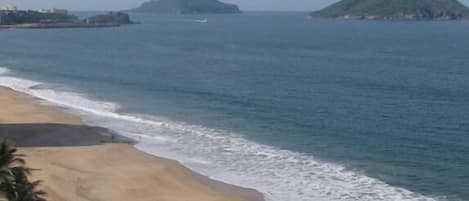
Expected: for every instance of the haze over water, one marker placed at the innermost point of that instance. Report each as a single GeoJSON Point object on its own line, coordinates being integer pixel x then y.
{"type": "Point", "coordinates": [300, 109]}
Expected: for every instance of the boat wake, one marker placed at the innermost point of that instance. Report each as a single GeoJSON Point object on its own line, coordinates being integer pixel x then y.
{"type": "Point", "coordinates": [202, 20]}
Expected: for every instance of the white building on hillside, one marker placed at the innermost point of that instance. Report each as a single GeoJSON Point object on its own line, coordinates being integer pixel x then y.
{"type": "Point", "coordinates": [8, 8]}
{"type": "Point", "coordinates": [54, 11]}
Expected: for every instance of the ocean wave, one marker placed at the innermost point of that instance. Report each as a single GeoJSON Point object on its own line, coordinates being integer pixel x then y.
{"type": "Point", "coordinates": [61, 98]}
{"type": "Point", "coordinates": [282, 175]}
{"type": "Point", "coordinates": [4, 70]}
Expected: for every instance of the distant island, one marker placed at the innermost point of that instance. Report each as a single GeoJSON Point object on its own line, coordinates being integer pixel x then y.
{"type": "Point", "coordinates": [395, 10]}
{"type": "Point", "coordinates": [10, 17]}
{"type": "Point", "coordinates": [186, 7]}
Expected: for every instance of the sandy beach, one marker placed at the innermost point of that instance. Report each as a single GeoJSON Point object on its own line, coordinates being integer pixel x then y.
{"type": "Point", "coordinates": [81, 163]}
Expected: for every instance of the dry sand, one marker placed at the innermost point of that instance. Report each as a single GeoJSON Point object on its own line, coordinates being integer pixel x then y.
{"type": "Point", "coordinates": [18, 108]}
{"type": "Point", "coordinates": [100, 171]}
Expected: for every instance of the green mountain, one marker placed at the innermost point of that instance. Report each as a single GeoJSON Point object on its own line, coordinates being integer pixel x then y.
{"type": "Point", "coordinates": [395, 10]}
{"type": "Point", "coordinates": [186, 7]}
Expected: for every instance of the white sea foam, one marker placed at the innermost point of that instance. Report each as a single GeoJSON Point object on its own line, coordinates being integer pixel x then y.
{"type": "Point", "coordinates": [281, 175]}
{"type": "Point", "coordinates": [62, 98]}
{"type": "Point", "coordinates": [4, 70]}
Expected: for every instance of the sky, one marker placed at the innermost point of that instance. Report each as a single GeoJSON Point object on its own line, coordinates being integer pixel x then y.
{"type": "Point", "coordinates": [247, 5]}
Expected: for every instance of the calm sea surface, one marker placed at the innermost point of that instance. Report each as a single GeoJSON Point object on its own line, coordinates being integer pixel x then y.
{"type": "Point", "coordinates": [301, 109]}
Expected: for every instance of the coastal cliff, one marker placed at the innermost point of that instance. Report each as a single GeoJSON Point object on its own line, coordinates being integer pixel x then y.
{"type": "Point", "coordinates": [186, 7]}
{"type": "Point", "coordinates": [395, 10]}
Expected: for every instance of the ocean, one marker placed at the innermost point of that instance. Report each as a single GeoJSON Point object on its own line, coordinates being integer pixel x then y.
{"type": "Point", "coordinates": [300, 109]}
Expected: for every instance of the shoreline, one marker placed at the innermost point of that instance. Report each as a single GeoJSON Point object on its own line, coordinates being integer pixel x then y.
{"type": "Point", "coordinates": [139, 174]}
{"type": "Point", "coordinates": [57, 26]}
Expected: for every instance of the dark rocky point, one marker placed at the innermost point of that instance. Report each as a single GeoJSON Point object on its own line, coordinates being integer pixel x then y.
{"type": "Point", "coordinates": [110, 18]}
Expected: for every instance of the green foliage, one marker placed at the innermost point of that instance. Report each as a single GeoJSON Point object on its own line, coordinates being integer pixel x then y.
{"type": "Point", "coordinates": [396, 9]}
{"type": "Point", "coordinates": [19, 188]}
{"type": "Point", "coordinates": [14, 182]}
{"type": "Point", "coordinates": [9, 159]}
{"type": "Point", "coordinates": [187, 7]}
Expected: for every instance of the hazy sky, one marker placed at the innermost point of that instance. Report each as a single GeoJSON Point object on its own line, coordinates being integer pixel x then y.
{"type": "Point", "coordinates": [304, 5]}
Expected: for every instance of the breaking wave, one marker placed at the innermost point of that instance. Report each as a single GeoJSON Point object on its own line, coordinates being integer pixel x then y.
{"type": "Point", "coordinates": [282, 175]}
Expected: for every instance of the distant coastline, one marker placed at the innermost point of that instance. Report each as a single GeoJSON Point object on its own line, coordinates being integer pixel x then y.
{"type": "Point", "coordinates": [11, 18]}
{"type": "Point", "coordinates": [56, 26]}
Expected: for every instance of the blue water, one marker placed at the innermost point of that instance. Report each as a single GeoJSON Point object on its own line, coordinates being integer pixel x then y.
{"type": "Point", "coordinates": [300, 109]}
